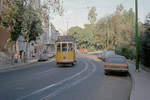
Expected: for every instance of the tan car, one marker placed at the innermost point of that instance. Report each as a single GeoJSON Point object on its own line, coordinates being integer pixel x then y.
{"type": "Point", "coordinates": [106, 54]}
{"type": "Point", "coordinates": [115, 64]}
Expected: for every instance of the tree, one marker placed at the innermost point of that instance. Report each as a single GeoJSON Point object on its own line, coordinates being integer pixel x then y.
{"type": "Point", "coordinates": [31, 27]}
{"type": "Point", "coordinates": [20, 18]}
{"type": "Point", "coordinates": [12, 18]}
{"type": "Point", "coordinates": [119, 8]}
{"type": "Point", "coordinates": [147, 20]}
{"type": "Point", "coordinates": [92, 15]}
{"type": "Point", "coordinates": [145, 43]}
{"type": "Point", "coordinates": [49, 9]}
{"type": "Point", "coordinates": [117, 29]}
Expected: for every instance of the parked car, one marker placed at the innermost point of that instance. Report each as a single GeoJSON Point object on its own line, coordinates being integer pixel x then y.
{"type": "Point", "coordinates": [43, 57]}
{"type": "Point", "coordinates": [115, 64]}
{"type": "Point", "coordinates": [50, 55]}
{"type": "Point", "coordinates": [106, 54]}
{"type": "Point", "coordinates": [99, 56]}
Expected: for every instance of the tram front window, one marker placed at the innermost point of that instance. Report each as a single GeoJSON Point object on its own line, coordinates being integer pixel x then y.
{"type": "Point", "coordinates": [64, 47]}
{"type": "Point", "coordinates": [58, 48]}
{"type": "Point", "coordinates": [70, 47]}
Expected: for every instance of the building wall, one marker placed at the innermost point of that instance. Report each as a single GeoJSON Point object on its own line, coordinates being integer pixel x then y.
{"type": "Point", "coordinates": [4, 36]}
{"type": "Point", "coordinates": [54, 33]}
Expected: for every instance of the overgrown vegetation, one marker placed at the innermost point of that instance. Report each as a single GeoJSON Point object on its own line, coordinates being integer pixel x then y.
{"type": "Point", "coordinates": [108, 32]}
{"type": "Point", "coordinates": [22, 18]}
{"type": "Point", "coordinates": [145, 43]}
{"type": "Point", "coordinates": [127, 50]}
{"type": "Point", "coordinates": [114, 32]}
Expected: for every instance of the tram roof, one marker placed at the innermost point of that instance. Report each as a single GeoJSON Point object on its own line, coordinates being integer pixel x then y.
{"type": "Point", "coordinates": [65, 39]}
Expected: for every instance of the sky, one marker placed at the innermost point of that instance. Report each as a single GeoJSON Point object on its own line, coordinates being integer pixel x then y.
{"type": "Point", "coordinates": [76, 11]}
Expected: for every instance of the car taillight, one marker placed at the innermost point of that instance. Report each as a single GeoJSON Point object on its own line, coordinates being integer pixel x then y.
{"type": "Point", "coordinates": [107, 66]}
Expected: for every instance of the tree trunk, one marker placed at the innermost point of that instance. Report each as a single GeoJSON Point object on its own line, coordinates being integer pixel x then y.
{"type": "Point", "coordinates": [26, 53]}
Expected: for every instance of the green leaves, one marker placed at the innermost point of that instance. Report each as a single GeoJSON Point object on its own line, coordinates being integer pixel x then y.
{"type": "Point", "coordinates": [145, 43]}
{"type": "Point", "coordinates": [32, 26]}
{"type": "Point", "coordinates": [21, 19]}
{"type": "Point", "coordinates": [84, 38]}
{"type": "Point", "coordinates": [92, 15]}
{"type": "Point", "coordinates": [108, 32]}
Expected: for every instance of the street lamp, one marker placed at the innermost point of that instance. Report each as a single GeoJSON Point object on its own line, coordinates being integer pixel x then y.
{"type": "Point", "coordinates": [137, 36]}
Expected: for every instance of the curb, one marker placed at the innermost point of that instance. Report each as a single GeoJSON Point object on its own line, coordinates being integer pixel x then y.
{"type": "Point", "coordinates": [131, 97]}
{"type": "Point", "coordinates": [145, 68]}
{"type": "Point", "coordinates": [133, 74]}
{"type": "Point", "coordinates": [17, 67]}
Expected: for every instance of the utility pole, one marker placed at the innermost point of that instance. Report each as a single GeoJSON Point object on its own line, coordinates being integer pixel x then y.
{"type": "Point", "coordinates": [137, 36]}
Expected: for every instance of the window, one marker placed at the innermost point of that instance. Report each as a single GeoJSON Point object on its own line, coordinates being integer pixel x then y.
{"type": "Point", "coordinates": [64, 47]}
{"type": "Point", "coordinates": [70, 47]}
{"type": "Point", "coordinates": [116, 60]}
{"type": "Point", "coordinates": [58, 47]}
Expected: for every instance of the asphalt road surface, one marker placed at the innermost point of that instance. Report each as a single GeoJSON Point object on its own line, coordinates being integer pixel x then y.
{"type": "Point", "coordinates": [46, 81]}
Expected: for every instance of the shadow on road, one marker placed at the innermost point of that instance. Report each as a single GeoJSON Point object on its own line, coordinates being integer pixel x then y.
{"type": "Point", "coordinates": [65, 65]}
{"type": "Point", "coordinates": [118, 74]}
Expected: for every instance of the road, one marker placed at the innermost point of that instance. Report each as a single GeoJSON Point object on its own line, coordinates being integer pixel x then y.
{"type": "Point", "coordinates": [46, 81]}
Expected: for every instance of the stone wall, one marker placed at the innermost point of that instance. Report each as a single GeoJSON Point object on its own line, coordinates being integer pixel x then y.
{"type": "Point", "coordinates": [4, 36]}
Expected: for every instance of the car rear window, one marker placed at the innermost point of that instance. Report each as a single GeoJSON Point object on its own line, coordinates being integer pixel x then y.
{"type": "Point", "coordinates": [109, 53]}
{"type": "Point", "coordinates": [116, 60]}
{"type": "Point", "coordinates": [42, 55]}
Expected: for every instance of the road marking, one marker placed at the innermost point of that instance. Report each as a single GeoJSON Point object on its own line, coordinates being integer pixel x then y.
{"type": "Point", "coordinates": [55, 84]}
{"type": "Point", "coordinates": [36, 74]}
{"type": "Point", "coordinates": [60, 90]}
{"type": "Point", "coordinates": [80, 80]}
{"type": "Point", "coordinates": [24, 66]}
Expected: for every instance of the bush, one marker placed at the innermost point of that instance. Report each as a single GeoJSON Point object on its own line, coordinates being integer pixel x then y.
{"type": "Point", "coordinates": [128, 51]}
{"type": "Point", "coordinates": [145, 48]}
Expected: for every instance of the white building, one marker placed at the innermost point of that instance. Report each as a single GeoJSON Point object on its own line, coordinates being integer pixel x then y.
{"type": "Point", "coordinates": [22, 46]}
{"type": "Point", "coordinates": [53, 37]}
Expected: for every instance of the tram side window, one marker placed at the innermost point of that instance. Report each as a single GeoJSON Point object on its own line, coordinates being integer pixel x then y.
{"type": "Point", "coordinates": [58, 48]}
{"type": "Point", "coordinates": [70, 47]}
{"type": "Point", "coordinates": [64, 47]}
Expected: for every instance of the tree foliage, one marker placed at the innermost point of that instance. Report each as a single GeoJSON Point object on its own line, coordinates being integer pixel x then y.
{"type": "Point", "coordinates": [49, 9]}
{"type": "Point", "coordinates": [116, 29]}
{"type": "Point", "coordinates": [145, 43]}
{"type": "Point", "coordinates": [92, 15]}
{"type": "Point", "coordinates": [12, 17]}
{"type": "Point", "coordinates": [32, 27]}
{"type": "Point", "coordinates": [21, 18]}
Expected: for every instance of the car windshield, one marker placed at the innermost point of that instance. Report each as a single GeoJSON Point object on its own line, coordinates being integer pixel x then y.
{"type": "Point", "coordinates": [109, 53]}
{"type": "Point", "coordinates": [42, 55]}
{"type": "Point", "coordinates": [116, 60]}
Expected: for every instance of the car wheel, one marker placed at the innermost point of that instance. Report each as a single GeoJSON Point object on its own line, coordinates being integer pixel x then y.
{"type": "Point", "coordinates": [126, 73]}
{"type": "Point", "coordinates": [106, 73]}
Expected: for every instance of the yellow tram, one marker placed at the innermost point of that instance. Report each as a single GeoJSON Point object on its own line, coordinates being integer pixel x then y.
{"type": "Point", "coordinates": [65, 50]}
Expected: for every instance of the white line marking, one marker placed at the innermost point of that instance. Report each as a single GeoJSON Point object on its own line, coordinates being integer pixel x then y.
{"type": "Point", "coordinates": [52, 85]}
{"type": "Point", "coordinates": [73, 84]}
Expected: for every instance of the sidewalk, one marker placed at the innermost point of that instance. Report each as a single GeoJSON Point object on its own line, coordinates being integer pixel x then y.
{"type": "Point", "coordinates": [140, 83]}
{"type": "Point", "coordinates": [17, 65]}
